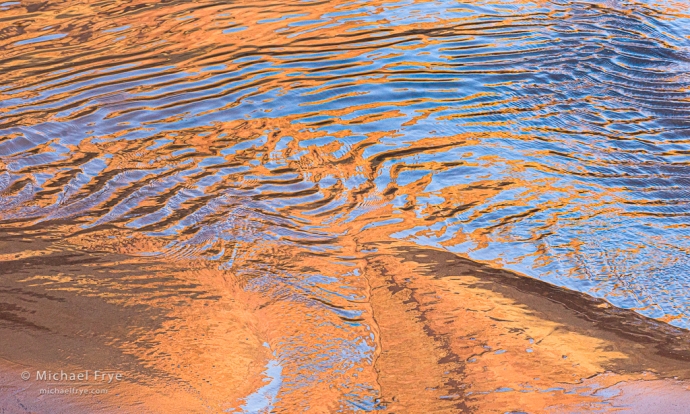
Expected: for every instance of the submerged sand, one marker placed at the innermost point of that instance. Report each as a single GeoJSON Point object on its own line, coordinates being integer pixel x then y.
{"type": "Point", "coordinates": [451, 336]}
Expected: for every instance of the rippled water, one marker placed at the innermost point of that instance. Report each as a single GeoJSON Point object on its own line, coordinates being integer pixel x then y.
{"type": "Point", "coordinates": [276, 139]}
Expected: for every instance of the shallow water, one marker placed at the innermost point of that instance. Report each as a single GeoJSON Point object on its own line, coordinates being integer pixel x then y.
{"type": "Point", "coordinates": [274, 143]}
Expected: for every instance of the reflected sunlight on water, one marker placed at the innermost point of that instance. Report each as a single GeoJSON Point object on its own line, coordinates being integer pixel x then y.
{"type": "Point", "coordinates": [224, 179]}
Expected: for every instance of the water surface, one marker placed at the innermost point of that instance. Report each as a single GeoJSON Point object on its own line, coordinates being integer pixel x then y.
{"type": "Point", "coordinates": [243, 159]}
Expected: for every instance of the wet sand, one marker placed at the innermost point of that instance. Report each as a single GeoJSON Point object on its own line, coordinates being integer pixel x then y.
{"type": "Point", "coordinates": [452, 336]}
{"type": "Point", "coordinates": [179, 333]}
{"type": "Point", "coordinates": [494, 341]}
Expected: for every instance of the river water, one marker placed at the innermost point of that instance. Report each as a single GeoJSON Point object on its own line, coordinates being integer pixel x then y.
{"type": "Point", "coordinates": [275, 143]}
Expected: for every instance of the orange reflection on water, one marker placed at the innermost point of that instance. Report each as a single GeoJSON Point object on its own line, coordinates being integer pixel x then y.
{"type": "Point", "coordinates": [251, 207]}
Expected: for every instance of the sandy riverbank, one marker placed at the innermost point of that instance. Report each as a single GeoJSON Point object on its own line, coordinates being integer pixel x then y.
{"type": "Point", "coordinates": [452, 336]}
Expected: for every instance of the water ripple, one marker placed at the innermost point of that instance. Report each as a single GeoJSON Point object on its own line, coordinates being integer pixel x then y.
{"type": "Point", "coordinates": [547, 137]}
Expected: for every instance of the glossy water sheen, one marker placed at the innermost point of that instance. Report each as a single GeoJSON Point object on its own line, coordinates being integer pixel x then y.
{"type": "Point", "coordinates": [273, 139]}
